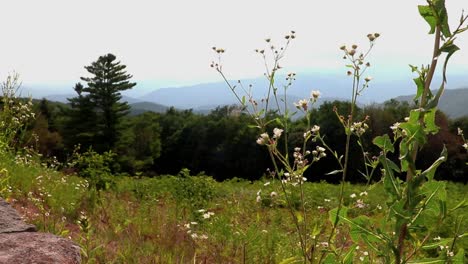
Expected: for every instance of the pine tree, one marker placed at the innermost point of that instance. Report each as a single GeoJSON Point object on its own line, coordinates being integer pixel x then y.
{"type": "Point", "coordinates": [80, 124]}
{"type": "Point", "coordinates": [108, 80]}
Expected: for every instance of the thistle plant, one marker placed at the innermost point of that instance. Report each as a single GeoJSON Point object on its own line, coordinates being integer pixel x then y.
{"type": "Point", "coordinates": [415, 207]}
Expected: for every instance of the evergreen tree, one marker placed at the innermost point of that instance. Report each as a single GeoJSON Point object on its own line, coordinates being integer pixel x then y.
{"type": "Point", "coordinates": [108, 80]}
{"type": "Point", "coordinates": [80, 124]}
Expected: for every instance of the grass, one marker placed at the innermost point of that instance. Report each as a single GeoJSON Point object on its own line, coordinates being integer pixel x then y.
{"type": "Point", "coordinates": [159, 220]}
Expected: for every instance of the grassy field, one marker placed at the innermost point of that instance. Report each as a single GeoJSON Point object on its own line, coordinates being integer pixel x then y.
{"type": "Point", "coordinates": [183, 219]}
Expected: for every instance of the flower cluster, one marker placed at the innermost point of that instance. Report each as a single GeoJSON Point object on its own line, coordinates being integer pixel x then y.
{"type": "Point", "coordinates": [264, 138]}
{"type": "Point", "coordinates": [318, 153]}
{"type": "Point", "coordinates": [359, 128]}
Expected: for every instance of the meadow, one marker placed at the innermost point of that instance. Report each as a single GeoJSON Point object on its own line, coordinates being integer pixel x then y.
{"type": "Point", "coordinates": [401, 212]}
{"type": "Point", "coordinates": [191, 219]}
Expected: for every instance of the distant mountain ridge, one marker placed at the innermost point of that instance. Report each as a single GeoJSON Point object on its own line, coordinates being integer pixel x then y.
{"type": "Point", "coordinates": [453, 102]}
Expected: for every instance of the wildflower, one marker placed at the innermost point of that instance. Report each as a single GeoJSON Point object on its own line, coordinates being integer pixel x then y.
{"type": "Point", "coordinates": [437, 238]}
{"type": "Point", "coordinates": [360, 204]}
{"type": "Point", "coordinates": [365, 253]}
{"type": "Point", "coordinates": [327, 200]}
{"type": "Point", "coordinates": [194, 235]}
{"type": "Point", "coordinates": [361, 258]}
{"type": "Point", "coordinates": [465, 146]}
{"type": "Point", "coordinates": [277, 132]}
{"type": "Point", "coordinates": [460, 131]}
{"type": "Point", "coordinates": [263, 139]}
{"type": "Point", "coordinates": [259, 199]}
{"type": "Point", "coordinates": [302, 104]}
{"type": "Point", "coordinates": [379, 207]}
{"type": "Point", "coordinates": [315, 95]}
{"type": "Point", "coordinates": [353, 195]}
{"type": "Point", "coordinates": [364, 193]}
{"type": "Point", "coordinates": [207, 215]}
{"type": "Point", "coordinates": [273, 194]}
{"type": "Point", "coordinates": [315, 129]}
{"type": "Point", "coordinates": [368, 79]}
{"type": "Point", "coordinates": [395, 126]}
{"type": "Point", "coordinates": [266, 184]}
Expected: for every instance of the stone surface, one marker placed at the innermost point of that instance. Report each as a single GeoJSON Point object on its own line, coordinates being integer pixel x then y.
{"type": "Point", "coordinates": [10, 221]}
{"type": "Point", "coordinates": [34, 247]}
{"type": "Point", "coordinates": [20, 244]}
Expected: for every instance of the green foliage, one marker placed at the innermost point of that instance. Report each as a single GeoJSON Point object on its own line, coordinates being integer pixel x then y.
{"type": "Point", "coordinates": [193, 192]}
{"type": "Point", "coordinates": [96, 168]}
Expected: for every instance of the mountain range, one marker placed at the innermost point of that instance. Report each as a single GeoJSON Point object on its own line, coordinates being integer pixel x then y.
{"type": "Point", "coordinates": [207, 96]}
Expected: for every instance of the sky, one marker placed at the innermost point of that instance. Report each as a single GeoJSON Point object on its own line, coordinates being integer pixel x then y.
{"type": "Point", "coordinates": [168, 43]}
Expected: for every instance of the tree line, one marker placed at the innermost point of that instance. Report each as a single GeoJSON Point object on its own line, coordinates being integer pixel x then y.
{"type": "Point", "coordinates": [220, 144]}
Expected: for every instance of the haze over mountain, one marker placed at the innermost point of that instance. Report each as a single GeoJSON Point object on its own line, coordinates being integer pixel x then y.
{"type": "Point", "coordinates": [207, 96]}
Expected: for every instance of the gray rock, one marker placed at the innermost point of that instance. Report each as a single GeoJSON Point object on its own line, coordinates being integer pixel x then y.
{"type": "Point", "coordinates": [10, 221]}
{"type": "Point", "coordinates": [38, 248]}
{"type": "Point", "coordinates": [20, 244]}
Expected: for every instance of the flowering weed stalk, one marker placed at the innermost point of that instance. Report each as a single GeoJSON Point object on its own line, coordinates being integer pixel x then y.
{"type": "Point", "coordinates": [412, 204]}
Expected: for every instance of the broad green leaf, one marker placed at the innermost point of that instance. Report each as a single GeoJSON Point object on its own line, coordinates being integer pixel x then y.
{"type": "Point", "coordinates": [428, 14]}
{"type": "Point", "coordinates": [429, 172]}
{"type": "Point", "coordinates": [414, 132]}
{"type": "Point", "coordinates": [334, 216]}
{"type": "Point", "coordinates": [384, 143]}
{"type": "Point", "coordinates": [359, 229]}
{"type": "Point", "coordinates": [442, 17]}
{"type": "Point", "coordinates": [390, 182]}
{"type": "Point", "coordinates": [348, 258]}
{"type": "Point", "coordinates": [420, 88]}
{"type": "Point", "coordinates": [459, 258]}
{"type": "Point", "coordinates": [429, 120]}
{"type": "Point", "coordinates": [435, 100]}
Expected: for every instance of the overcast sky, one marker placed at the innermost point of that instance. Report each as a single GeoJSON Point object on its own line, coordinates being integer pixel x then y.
{"type": "Point", "coordinates": [169, 42]}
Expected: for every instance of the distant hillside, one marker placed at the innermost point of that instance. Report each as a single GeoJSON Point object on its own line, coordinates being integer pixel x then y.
{"type": "Point", "coordinates": [141, 107]}
{"type": "Point", "coordinates": [454, 102]}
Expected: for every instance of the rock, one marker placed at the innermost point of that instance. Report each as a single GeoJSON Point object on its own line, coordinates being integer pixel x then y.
{"type": "Point", "coordinates": [20, 244]}
{"type": "Point", "coordinates": [10, 221]}
{"type": "Point", "coordinates": [34, 247]}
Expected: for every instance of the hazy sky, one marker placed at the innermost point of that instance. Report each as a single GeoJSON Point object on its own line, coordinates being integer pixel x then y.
{"type": "Point", "coordinates": [49, 41]}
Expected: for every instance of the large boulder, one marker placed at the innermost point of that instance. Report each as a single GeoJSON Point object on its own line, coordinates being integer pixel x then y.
{"type": "Point", "coordinates": [20, 244]}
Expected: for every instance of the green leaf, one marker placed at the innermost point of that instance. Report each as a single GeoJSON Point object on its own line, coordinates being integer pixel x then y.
{"type": "Point", "coordinates": [442, 17]}
{"type": "Point", "coordinates": [348, 258]}
{"type": "Point", "coordinates": [384, 143]}
{"type": "Point", "coordinates": [334, 172]}
{"type": "Point", "coordinates": [428, 261]}
{"type": "Point", "coordinates": [330, 259]}
{"type": "Point", "coordinates": [459, 258]}
{"type": "Point", "coordinates": [420, 88]}
{"type": "Point", "coordinates": [428, 14]}
{"type": "Point", "coordinates": [292, 260]}
{"type": "Point", "coordinates": [359, 228]}
{"type": "Point", "coordinates": [243, 100]}
{"type": "Point", "coordinates": [334, 217]}
{"type": "Point", "coordinates": [450, 49]}
{"type": "Point", "coordinates": [435, 101]}
{"type": "Point", "coordinates": [429, 172]}
{"type": "Point", "coordinates": [391, 184]}
{"type": "Point", "coordinates": [429, 120]}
